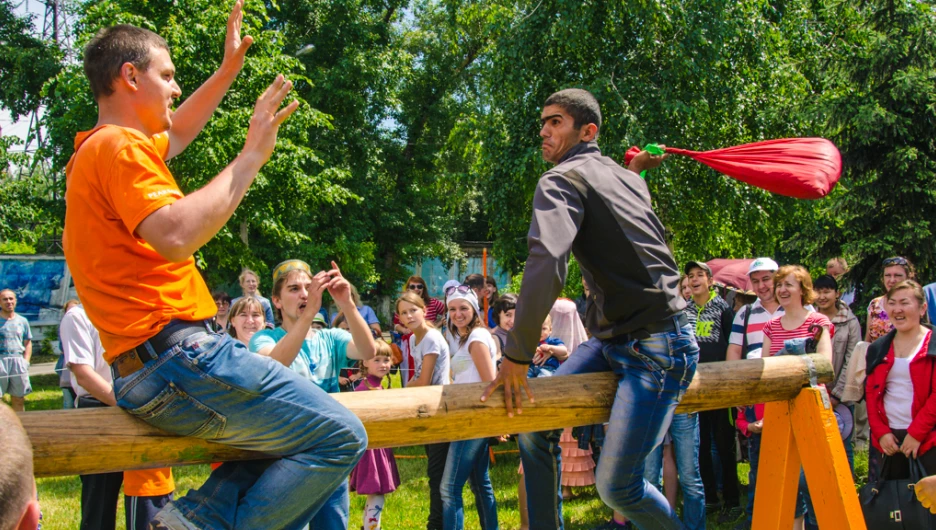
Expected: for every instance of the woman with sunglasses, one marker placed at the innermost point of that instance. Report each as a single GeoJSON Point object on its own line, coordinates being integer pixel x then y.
{"type": "Point", "coordinates": [435, 309]}
{"type": "Point", "coordinates": [896, 270]}
{"type": "Point", "coordinates": [472, 348]}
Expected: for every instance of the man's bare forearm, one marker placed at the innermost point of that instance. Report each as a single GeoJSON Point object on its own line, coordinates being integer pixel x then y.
{"type": "Point", "coordinates": [178, 230]}
{"type": "Point", "coordinates": [96, 385]}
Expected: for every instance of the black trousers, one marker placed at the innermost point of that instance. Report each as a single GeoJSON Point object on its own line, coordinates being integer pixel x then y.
{"type": "Point", "coordinates": [715, 426]}
{"type": "Point", "coordinates": [99, 493]}
{"type": "Point", "coordinates": [436, 454]}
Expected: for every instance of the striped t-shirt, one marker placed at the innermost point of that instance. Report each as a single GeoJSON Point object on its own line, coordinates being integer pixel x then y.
{"type": "Point", "coordinates": [775, 331]}
{"type": "Point", "coordinates": [755, 330]}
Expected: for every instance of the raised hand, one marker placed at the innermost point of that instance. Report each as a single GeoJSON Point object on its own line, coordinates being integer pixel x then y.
{"type": "Point", "coordinates": [644, 160]}
{"type": "Point", "coordinates": [339, 288]}
{"type": "Point", "coordinates": [235, 47]}
{"type": "Point", "coordinates": [267, 118]}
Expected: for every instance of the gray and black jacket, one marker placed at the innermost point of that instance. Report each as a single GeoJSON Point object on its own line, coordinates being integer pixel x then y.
{"type": "Point", "coordinates": [591, 207]}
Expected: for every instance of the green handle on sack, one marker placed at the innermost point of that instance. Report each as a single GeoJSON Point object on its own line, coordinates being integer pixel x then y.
{"type": "Point", "coordinates": [655, 150]}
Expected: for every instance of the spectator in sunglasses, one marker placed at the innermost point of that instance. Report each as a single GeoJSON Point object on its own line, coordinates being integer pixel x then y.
{"type": "Point", "coordinates": [435, 309]}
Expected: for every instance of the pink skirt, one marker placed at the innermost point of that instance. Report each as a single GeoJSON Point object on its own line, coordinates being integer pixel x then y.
{"type": "Point", "coordinates": [376, 473]}
{"type": "Point", "coordinates": [578, 466]}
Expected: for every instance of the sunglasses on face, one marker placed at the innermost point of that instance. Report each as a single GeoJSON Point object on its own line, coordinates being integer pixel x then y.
{"type": "Point", "coordinates": [896, 260]}
{"type": "Point", "coordinates": [457, 289]}
{"type": "Point", "coordinates": [415, 287]}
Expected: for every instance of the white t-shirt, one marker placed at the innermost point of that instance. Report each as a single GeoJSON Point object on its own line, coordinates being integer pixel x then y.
{"type": "Point", "coordinates": [463, 366]}
{"type": "Point", "coordinates": [898, 391]}
{"type": "Point", "coordinates": [433, 343]}
{"type": "Point", "coordinates": [81, 344]}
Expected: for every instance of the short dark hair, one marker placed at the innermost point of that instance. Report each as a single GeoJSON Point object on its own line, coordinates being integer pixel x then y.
{"type": "Point", "coordinates": [825, 282]}
{"type": "Point", "coordinates": [111, 48]}
{"type": "Point", "coordinates": [503, 304]}
{"type": "Point", "coordinates": [580, 104]}
{"type": "Point", "coordinates": [221, 295]}
{"type": "Point", "coordinates": [16, 468]}
{"type": "Point", "coordinates": [475, 281]}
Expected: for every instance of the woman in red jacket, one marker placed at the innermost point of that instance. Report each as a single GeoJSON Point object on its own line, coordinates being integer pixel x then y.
{"type": "Point", "coordinates": [899, 387]}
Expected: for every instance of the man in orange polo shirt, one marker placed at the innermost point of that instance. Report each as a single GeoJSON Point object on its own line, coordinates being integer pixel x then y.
{"type": "Point", "coordinates": [129, 238]}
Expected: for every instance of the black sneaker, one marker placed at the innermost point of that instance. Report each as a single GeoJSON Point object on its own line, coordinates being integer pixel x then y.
{"type": "Point", "coordinates": [731, 514]}
{"type": "Point", "coordinates": [711, 508]}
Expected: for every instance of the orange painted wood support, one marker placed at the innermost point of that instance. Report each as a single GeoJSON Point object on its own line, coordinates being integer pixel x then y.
{"type": "Point", "coordinates": [803, 431]}
{"type": "Point", "coordinates": [777, 471]}
{"type": "Point", "coordinates": [824, 461]}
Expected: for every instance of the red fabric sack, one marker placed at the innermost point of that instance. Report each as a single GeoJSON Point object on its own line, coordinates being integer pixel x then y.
{"type": "Point", "coordinates": [804, 168]}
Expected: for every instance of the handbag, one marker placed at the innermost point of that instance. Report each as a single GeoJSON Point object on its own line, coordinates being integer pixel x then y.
{"type": "Point", "coordinates": [892, 504]}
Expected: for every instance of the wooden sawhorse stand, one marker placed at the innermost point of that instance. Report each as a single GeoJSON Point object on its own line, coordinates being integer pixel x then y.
{"type": "Point", "coordinates": [804, 422]}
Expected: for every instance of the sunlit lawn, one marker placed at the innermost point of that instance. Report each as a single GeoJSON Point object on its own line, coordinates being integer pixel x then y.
{"type": "Point", "coordinates": [407, 508]}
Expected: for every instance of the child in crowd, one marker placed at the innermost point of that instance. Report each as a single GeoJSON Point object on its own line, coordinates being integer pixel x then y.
{"type": "Point", "coordinates": [375, 475]}
{"type": "Point", "coordinates": [430, 356]}
{"type": "Point", "coordinates": [505, 308]}
{"type": "Point", "coordinates": [549, 355]}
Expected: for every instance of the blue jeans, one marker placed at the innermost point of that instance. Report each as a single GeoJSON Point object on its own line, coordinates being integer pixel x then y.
{"type": "Point", "coordinates": [335, 512]}
{"type": "Point", "coordinates": [466, 460]}
{"type": "Point", "coordinates": [685, 432]}
{"type": "Point", "coordinates": [210, 386]}
{"type": "Point", "coordinates": [654, 374]}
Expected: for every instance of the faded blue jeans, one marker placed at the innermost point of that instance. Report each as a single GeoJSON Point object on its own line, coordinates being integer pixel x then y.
{"type": "Point", "coordinates": [468, 460]}
{"type": "Point", "coordinates": [210, 386]}
{"type": "Point", "coordinates": [685, 432]}
{"type": "Point", "coordinates": [654, 374]}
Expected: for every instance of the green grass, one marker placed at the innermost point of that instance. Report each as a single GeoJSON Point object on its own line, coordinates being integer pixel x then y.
{"type": "Point", "coordinates": [407, 508]}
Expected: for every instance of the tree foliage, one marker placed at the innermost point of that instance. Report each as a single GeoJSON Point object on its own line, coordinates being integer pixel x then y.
{"type": "Point", "coordinates": [419, 121]}
{"type": "Point", "coordinates": [880, 109]}
{"type": "Point", "coordinates": [26, 62]}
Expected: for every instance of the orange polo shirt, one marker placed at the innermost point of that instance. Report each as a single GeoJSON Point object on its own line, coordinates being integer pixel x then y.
{"type": "Point", "coordinates": [115, 179]}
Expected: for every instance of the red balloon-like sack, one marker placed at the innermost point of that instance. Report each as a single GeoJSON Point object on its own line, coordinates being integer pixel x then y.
{"type": "Point", "coordinates": [804, 168]}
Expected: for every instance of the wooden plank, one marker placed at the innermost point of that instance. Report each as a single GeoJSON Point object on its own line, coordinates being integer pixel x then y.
{"type": "Point", "coordinates": [104, 440]}
{"type": "Point", "coordinates": [778, 470]}
{"type": "Point", "coordinates": [827, 473]}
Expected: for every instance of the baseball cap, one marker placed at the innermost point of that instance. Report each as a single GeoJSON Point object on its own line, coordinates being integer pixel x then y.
{"type": "Point", "coordinates": [697, 264]}
{"type": "Point", "coordinates": [320, 319]}
{"type": "Point", "coordinates": [763, 264]}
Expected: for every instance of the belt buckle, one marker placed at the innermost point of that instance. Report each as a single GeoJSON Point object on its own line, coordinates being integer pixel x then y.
{"type": "Point", "coordinates": [128, 363]}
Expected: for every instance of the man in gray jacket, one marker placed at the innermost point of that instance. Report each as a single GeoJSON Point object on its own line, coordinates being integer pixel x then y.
{"type": "Point", "coordinates": [589, 206]}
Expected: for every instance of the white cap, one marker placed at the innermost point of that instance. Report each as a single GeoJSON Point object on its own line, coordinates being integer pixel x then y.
{"type": "Point", "coordinates": [763, 264]}
{"type": "Point", "coordinates": [450, 283]}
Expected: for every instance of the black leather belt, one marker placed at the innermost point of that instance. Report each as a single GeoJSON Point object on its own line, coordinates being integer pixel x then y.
{"type": "Point", "coordinates": [173, 333]}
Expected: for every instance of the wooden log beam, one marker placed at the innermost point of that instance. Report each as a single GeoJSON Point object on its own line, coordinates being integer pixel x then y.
{"type": "Point", "coordinates": [103, 440]}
